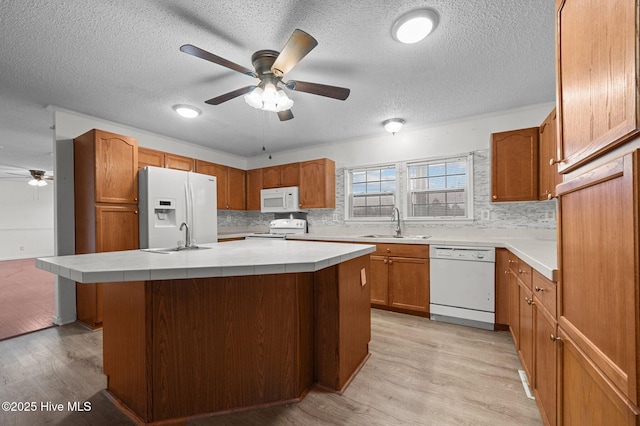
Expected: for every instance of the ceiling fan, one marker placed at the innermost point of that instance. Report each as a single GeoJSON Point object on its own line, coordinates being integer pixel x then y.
{"type": "Point", "coordinates": [270, 67]}
{"type": "Point", "coordinates": [38, 177]}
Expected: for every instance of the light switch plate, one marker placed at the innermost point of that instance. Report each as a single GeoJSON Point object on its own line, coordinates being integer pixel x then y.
{"type": "Point", "coordinates": [485, 214]}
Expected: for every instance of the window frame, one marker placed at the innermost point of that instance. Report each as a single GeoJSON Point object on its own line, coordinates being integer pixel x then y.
{"type": "Point", "coordinates": [403, 194]}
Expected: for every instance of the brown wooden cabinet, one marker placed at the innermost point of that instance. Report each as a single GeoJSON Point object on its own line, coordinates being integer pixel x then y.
{"type": "Point", "coordinates": [106, 210]}
{"type": "Point", "coordinates": [514, 165]}
{"type": "Point", "coordinates": [597, 77]}
{"type": "Point", "coordinates": [598, 300]}
{"type": "Point", "coordinates": [150, 157]}
{"type": "Point", "coordinates": [545, 362]}
{"type": "Point", "coordinates": [400, 278]}
{"type": "Point", "coordinates": [254, 185]}
{"type": "Point", "coordinates": [548, 167]}
{"type": "Point", "coordinates": [281, 175]}
{"type": "Point", "coordinates": [230, 182]}
{"type": "Point", "coordinates": [502, 288]}
{"type": "Point", "coordinates": [178, 162]}
{"type": "Point", "coordinates": [318, 184]}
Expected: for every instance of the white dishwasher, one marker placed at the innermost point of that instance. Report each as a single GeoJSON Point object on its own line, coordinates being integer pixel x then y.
{"type": "Point", "coordinates": [462, 285]}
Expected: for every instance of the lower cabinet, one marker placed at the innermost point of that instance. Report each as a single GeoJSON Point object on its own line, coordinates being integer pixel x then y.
{"type": "Point", "coordinates": [545, 364]}
{"type": "Point", "coordinates": [400, 278]}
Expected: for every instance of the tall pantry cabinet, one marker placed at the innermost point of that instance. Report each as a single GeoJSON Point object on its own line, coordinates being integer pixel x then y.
{"type": "Point", "coordinates": [599, 212]}
{"type": "Point", "coordinates": [106, 206]}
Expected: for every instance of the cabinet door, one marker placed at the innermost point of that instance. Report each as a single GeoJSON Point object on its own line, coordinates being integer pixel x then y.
{"type": "Point", "coordinates": [116, 168]}
{"type": "Point", "coordinates": [546, 348]}
{"type": "Point", "coordinates": [150, 157]}
{"type": "Point", "coordinates": [271, 177]}
{"type": "Point", "coordinates": [514, 165]}
{"type": "Point", "coordinates": [318, 184]}
{"type": "Point", "coordinates": [290, 174]}
{"type": "Point", "coordinates": [548, 167]}
{"type": "Point", "coordinates": [598, 292]}
{"type": "Point", "coordinates": [116, 228]}
{"type": "Point", "coordinates": [502, 287]}
{"type": "Point", "coordinates": [526, 329]}
{"type": "Point", "coordinates": [514, 308]}
{"type": "Point", "coordinates": [379, 279]}
{"type": "Point", "coordinates": [236, 188]}
{"type": "Point", "coordinates": [254, 185]}
{"type": "Point", "coordinates": [586, 397]}
{"type": "Point", "coordinates": [178, 162]}
{"type": "Point", "coordinates": [597, 77]}
{"type": "Point", "coordinates": [409, 284]}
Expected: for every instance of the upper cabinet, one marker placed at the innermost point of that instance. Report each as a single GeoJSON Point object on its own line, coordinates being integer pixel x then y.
{"type": "Point", "coordinates": [514, 165]}
{"type": "Point", "coordinates": [318, 184]}
{"type": "Point", "coordinates": [548, 168]}
{"type": "Point", "coordinates": [178, 162]}
{"type": "Point", "coordinates": [114, 159]}
{"type": "Point", "coordinates": [230, 184]}
{"type": "Point", "coordinates": [282, 175]}
{"type": "Point", "coordinates": [254, 185]}
{"type": "Point", "coordinates": [597, 78]}
{"type": "Point", "coordinates": [150, 157]}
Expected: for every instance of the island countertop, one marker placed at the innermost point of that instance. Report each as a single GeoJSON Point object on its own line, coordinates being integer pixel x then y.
{"type": "Point", "coordinates": [233, 258]}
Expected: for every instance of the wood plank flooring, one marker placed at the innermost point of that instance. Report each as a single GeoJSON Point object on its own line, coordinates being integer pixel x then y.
{"type": "Point", "coordinates": [420, 373]}
{"type": "Point", "coordinates": [26, 298]}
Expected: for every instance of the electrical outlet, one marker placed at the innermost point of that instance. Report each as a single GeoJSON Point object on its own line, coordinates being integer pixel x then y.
{"type": "Point", "coordinates": [228, 218]}
{"type": "Point", "coordinates": [21, 248]}
{"type": "Point", "coordinates": [485, 214]}
{"type": "Point", "coordinates": [335, 217]}
{"type": "Point", "coordinates": [550, 215]}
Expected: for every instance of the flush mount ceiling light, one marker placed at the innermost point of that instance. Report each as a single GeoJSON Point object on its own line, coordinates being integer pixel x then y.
{"type": "Point", "coordinates": [38, 178]}
{"type": "Point", "coordinates": [414, 26]}
{"type": "Point", "coordinates": [187, 111]}
{"type": "Point", "coordinates": [393, 125]}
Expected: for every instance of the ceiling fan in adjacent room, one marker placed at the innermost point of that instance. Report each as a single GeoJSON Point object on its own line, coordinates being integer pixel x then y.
{"type": "Point", "coordinates": [270, 67]}
{"type": "Point", "coordinates": [38, 177]}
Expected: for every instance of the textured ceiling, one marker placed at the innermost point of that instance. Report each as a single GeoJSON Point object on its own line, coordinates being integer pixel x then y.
{"type": "Point", "coordinates": [120, 60]}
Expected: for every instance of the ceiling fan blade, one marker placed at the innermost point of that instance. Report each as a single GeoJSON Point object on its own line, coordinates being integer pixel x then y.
{"type": "Point", "coordinates": [334, 92]}
{"type": "Point", "coordinates": [297, 47]}
{"type": "Point", "coordinates": [285, 115]}
{"type": "Point", "coordinates": [203, 54]}
{"type": "Point", "coordinates": [228, 96]}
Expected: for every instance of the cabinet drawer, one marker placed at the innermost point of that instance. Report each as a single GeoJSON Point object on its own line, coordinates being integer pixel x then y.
{"type": "Point", "coordinates": [525, 273]}
{"type": "Point", "coordinates": [513, 263]}
{"type": "Point", "coordinates": [545, 291]}
{"type": "Point", "coordinates": [406, 250]}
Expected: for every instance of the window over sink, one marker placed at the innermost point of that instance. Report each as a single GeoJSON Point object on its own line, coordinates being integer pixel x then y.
{"type": "Point", "coordinates": [433, 189]}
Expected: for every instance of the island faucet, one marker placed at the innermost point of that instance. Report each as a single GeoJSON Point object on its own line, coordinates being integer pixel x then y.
{"type": "Point", "coordinates": [187, 237]}
{"type": "Point", "coordinates": [395, 214]}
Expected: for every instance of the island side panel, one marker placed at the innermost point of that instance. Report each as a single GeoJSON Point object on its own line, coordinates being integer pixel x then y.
{"type": "Point", "coordinates": [343, 322]}
{"type": "Point", "coordinates": [126, 338]}
{"type": "Point", "coordinates": [228, 343]}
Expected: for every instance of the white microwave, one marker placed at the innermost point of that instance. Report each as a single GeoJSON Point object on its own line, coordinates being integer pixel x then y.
{"type": "Point", "coordinates": [280, 200]}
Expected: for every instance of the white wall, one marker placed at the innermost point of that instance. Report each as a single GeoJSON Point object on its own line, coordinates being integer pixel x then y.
{"type": "Point", "coordinates": [26, 220]}
{"type": "Point", "coordinates": [454, 137]}
{"type": "Point", "coordinates": [69, 124]}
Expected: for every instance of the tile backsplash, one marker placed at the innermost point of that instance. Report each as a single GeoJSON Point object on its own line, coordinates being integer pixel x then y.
{"type": "Point", "coordinates": [535, 218]}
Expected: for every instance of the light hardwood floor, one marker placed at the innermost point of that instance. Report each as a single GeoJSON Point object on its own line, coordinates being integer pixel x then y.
{"type": "Point", "coordinates": [420, 373]}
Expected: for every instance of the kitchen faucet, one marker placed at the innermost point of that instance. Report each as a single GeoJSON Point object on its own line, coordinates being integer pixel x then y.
{"type": "Point", "coordinates": [395, 213]}
{"type": "Point", "coordinates": [187, 236]}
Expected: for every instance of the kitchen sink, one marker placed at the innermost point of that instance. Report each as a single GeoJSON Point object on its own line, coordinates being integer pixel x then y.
{"type": "Point", "coordinates": [174, 249]}
{"type": "Point", "coordinates": [414, 237]}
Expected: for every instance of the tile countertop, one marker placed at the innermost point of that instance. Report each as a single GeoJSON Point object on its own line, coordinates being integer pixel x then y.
{"type": "Point", "coordinates": [233, 258]}
{"type": "Point", "coordinates": [541, 255]}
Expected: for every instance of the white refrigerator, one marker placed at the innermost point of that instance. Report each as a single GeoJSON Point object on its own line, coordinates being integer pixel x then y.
{"type": "Point", "coordinates": [169, 198]}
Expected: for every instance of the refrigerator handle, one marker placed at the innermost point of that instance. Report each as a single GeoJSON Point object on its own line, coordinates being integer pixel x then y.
{"type": "Point", "coordinates": [192, 209]}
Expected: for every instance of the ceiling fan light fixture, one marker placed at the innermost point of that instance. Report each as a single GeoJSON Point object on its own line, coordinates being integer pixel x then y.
{"type": "Point", "coordinates": [37, 182]}
{"type": "Point", "coordinates": [187, 111]}
{"type": "Point", "coordinates": [414, 26]}
{"type": "Point", "coordinates": [269, 99]}
{"type": "Point", "coordinates": [393, 125]}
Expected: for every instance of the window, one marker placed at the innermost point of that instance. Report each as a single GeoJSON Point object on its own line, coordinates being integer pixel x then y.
{"type": "Point", "coordinates": [440, 188]}
{"type": "Point", "coordinates": [372, 192]}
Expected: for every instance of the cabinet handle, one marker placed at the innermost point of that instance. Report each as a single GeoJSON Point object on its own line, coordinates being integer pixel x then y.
{"type": "Point", "coordinates": [390, 261]}
{"type": "Point", "coordinates": [520, 271]}
{"type": "Point", "coordinates": [550, 196]}
{"type": "Point", "coordinates": [388, 250]}
{"type": "Point", "coordinates": [495, 197]}
{"type": "Point", "coordinates": [511, 261]}
{"type": "Point", "coordinates": [385, 261]}
{"type": "Point", "coordinates": [135, 199]}
{"type": "Point", "coordinates": [529, 301]}
{"type": "Point", "coordinates": [135, 212]}
{"type": "Point", "coordinates": [555, 338]}
{"type": "Point", "coordinates": [539, 289]}
{"type": "Point", "coordinates": [552, 161]}
{"type": "Point", "coordinates": [506, 272]}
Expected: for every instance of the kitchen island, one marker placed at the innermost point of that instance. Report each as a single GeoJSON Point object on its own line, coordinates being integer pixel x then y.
{"type": "Point", "coordinates": [237, 325]}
